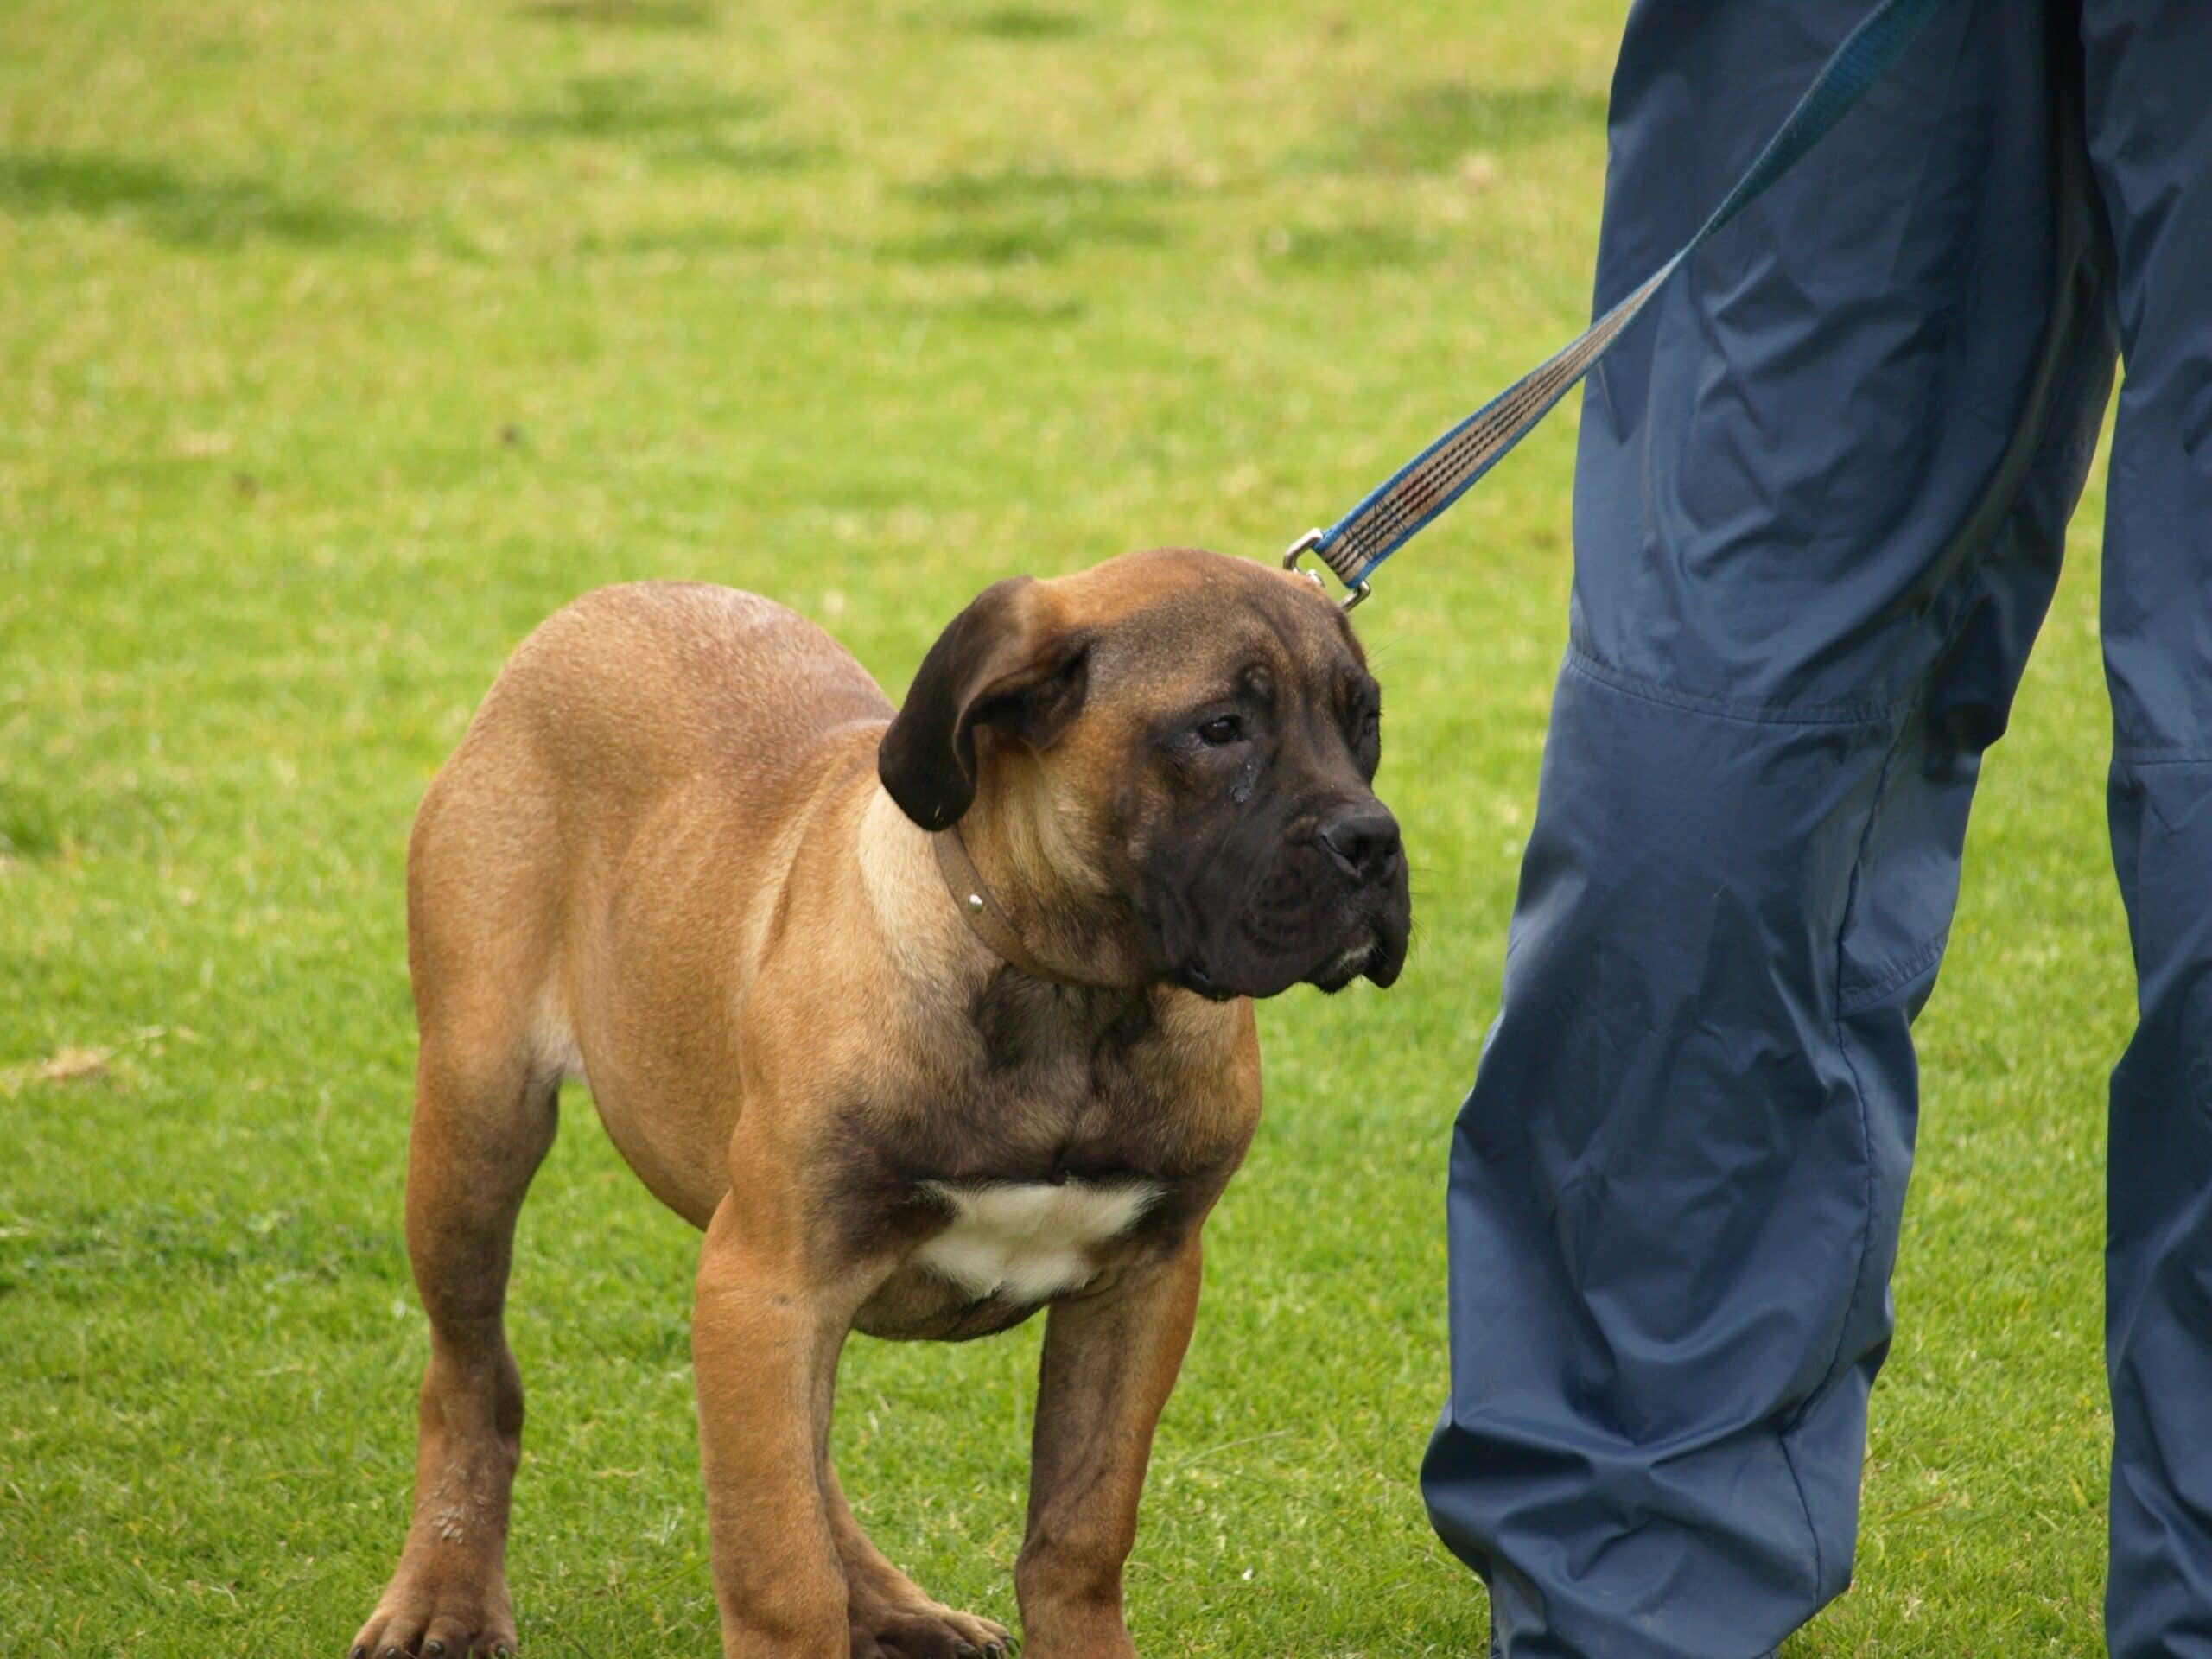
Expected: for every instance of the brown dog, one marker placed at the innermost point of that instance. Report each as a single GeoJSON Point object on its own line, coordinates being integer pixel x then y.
{"type": "Point", "coordinates": [912, 1081]}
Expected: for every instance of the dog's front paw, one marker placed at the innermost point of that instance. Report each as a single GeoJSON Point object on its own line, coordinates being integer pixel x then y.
{"type": "Point", "coordinates": [1101, 1644]}
{"type": "Point", "coordinates": [1079, 1629]}
{"type": "Point", "coordinates": [926, 1630]}
{"type": "Point", "coordinates": [439, 1610]}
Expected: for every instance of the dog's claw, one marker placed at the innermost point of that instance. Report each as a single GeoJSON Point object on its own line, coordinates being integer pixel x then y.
{"type": "Point", "coordinates": [434, 1650]}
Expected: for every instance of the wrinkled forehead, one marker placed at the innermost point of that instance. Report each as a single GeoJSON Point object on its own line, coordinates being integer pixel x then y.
{"type": "Point", "coordinates": [1185, 634]}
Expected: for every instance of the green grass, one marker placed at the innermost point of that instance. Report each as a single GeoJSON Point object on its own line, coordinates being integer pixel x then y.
{"type": "Point", "coordinates": [339, 343]}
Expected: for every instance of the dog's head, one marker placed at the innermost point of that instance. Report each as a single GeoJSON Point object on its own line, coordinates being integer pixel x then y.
{"type": "Point", "coordinates": [1195, 738]}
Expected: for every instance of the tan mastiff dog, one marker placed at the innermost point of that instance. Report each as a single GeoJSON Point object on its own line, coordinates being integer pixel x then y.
{"type": "Point", "coordinates": [929, 1021]}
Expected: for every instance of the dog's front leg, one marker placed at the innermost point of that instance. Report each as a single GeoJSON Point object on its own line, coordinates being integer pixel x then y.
{"type": "Point", "coordinates": [763, 1351]}
{"type": "Point", "coordinates": [1110, 1363]}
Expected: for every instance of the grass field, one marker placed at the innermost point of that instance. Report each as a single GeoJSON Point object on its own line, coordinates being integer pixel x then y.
{"type": "Point", "coordinates": [339, 343]}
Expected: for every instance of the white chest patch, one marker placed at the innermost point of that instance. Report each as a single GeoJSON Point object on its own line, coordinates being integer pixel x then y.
{"type": "Point", "coordinates": [1025, 1243]}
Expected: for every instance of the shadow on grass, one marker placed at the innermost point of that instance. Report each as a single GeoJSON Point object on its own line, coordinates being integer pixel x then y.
{"type": "Point", "coordinates": [1433, 128]}
{"type": "Point", "coordinates": [1014, 310]}
{"type": "Point", "coordinates": [1024, 23]}
{"type": "Point", "coordinates": [703, 240]}
{"type": "Point", "coordinates": [1013, 216]}
{"type": "Point", "coordinates": [1027, 238]}
{"type": "Point", "coordinates": [168, 205]}
{"type": "Point", "coordinates": [674, 121]}
{"type": "Point", "coordinates": [30, 828]}
{"type": "Point", "coordinates": [628, 107]}
{"type": "Point", "coordinates": [1333, 250]}
{"type": "Point", "coordinates": [620, 14]}
{"type": "Point", "coordinates": [750, 154]}
{"type": "Point", "coordinates": [984, 189]}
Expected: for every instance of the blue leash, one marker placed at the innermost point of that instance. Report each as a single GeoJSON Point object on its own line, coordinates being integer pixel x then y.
{"type": "Point", "coordinates": [1403, 504]}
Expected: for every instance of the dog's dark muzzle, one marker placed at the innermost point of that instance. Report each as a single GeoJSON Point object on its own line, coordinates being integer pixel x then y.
{"type": "Point", "coordinates": [1333, 907]}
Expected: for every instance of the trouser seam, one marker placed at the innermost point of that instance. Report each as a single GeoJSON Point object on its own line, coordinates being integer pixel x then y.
{"type": "Point", "coordinates": [1866, 1139]}
{"type": "Point", "coordinates": [1865, 996]}
{"type": "Point", "coordinates": [1866, 714]}
{"type": "Point", "coordinates": [1805, 1504]}
{"type": "Point", "coordinates": [2134, 755]}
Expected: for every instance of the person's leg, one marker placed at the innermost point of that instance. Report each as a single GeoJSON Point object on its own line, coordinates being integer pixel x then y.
{"type": "Point", "coordinates": [1818, 516]}
{"type": "Point", "coordinates": [2149, 121]}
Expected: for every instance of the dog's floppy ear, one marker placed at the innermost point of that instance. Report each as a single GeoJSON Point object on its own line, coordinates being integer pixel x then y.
{"type": "Point", "coordinates": [1006, 663]}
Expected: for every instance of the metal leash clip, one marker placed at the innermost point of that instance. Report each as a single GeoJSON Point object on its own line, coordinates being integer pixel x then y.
{"type": "Point", "coordinates": [1306, 544]}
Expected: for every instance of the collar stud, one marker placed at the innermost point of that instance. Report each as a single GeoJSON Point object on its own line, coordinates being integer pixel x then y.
{"type": "Point", "coordinates": [971, 895]}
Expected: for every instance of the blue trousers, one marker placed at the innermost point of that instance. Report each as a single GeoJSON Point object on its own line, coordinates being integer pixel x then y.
{"type": "Point", "coordinates": [1818, 512]}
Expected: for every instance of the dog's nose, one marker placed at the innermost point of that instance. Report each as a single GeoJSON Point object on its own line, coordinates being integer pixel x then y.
{"type": "Point", "coordinates": [1363, 839]}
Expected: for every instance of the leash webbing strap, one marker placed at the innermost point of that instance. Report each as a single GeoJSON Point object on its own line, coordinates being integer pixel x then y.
{"type": "Point", "coordinates": [1399, 508]}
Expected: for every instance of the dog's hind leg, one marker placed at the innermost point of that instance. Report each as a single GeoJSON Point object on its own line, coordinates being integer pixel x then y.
{"type": "Point", "coordinates": [486, 1085]}
{"type": "Point", "coordinates": [471, 1160]}
{"type": "Point", "coordinates": [890, 1613]}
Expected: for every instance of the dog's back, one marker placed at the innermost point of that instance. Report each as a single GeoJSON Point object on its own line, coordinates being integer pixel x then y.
{"type": "Point", "coordinates": [630, 690]}
{"type": "Point", "coordinates": [620, 708]}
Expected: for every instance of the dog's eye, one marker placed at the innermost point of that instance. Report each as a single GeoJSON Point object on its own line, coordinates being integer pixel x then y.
{"type": "Point", "coordinates": [1222, 728]}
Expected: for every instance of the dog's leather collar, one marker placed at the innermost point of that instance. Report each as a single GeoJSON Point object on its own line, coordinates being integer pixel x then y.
{"type": "Point", "coordinates": [972, 898]}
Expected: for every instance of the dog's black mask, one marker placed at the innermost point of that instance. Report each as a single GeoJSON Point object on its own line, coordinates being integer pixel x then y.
{"type": "Point", "coordinates": [1272, 862]}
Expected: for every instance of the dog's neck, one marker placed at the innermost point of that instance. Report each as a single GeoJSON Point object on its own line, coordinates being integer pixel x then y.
{"type": "Point", "coordinates": [1075, 934]}
{"type": "Point", "coordinates": [1039, 875]}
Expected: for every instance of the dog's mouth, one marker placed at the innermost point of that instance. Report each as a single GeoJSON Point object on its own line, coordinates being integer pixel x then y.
{"type": "Point", "coordinates": [1366, 955]}
{"type": "Point", "coordinates": [1346, 965]}
{"type": "Point", "coordinates": [1192, 977]}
